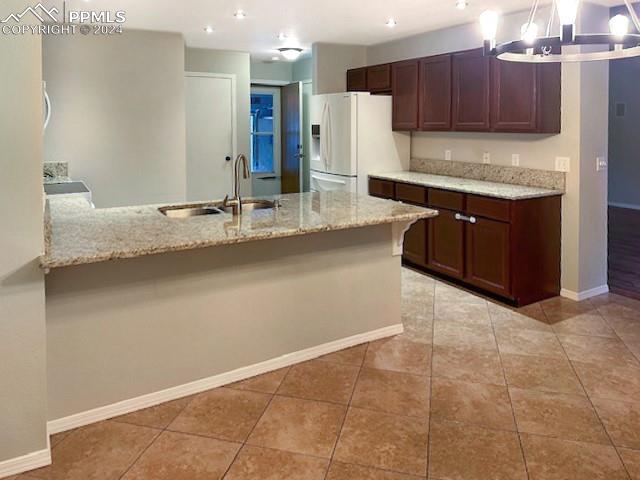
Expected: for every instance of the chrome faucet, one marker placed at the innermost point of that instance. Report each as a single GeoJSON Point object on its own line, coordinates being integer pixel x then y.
{"type": "Point", "coordinates": [236, 202]}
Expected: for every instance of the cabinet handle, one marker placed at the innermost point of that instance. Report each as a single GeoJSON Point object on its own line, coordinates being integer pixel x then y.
{"type": "Point", "coordinates": [464, 218]}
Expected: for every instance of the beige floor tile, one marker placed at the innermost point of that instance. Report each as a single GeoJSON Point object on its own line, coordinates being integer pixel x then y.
{"type": "Point", "coordinates": [634, 348]}
{"type": "Point", "coordinates": [528, 342]}
{"type": "Point", "coordinates": [464, 452]}
{"type": "Point", "coordinates": [631, 459]}
{"type": "Point", "coordinates": [570, 417]}
{"type": "Point", "coordinates": [615, 382]}
{"type": "Point", "coordinates": [530, 317]}
{"type": "Point", "coordinates": [177, 456]}
{"type": "Point", "coordinates": [555, 459]}
{"type": "Point", "coordinates": [350, 356]}
{"type": "Point", "coordinates": [461, 335]}
{"type": "Point", "coordinates": [546, 374]}
{"type": "Point", "coordinates": [57, 438]}
{"type": "Point", "coordinates": [559, 308]}
{"type": "Point", "coordinates": [222, 413]}
{"type": "Point", "coordinates": [591, 324]}
{"type": "Point", "coordinates": [255, 463]}
{"type": "Point", "coordinates": [468, 364]}
{"type": "Point", "coordinates": [608, 298]}
{"type": "Point", "coordinates": [418, 329]}
{"type": "Point", "coordinates": [622, 421]}
{"type": "Point", "coordinates": [400, 355]}
{"type": "Point", "coordinates": [472, 403]}
{"type": "Point", "coordinates": [392, 392]}
{"type": "Point", "coordinates": [299, 426]}
{"type": "Point", "coordinates": [324, 381]}
{"type": "Point", "coordinates": [417, 305]}
{"type": "Point", "coordinates": [159, 416]}
{"type": "Point", "coordinates": [344, 471]}
{"type": "Point", "coordinates": [460, 312]}
{"type": "Point", "coordinates": [384, 441]}
{"type": "Point", "coordinates": [608, 351]}
{"type": "Point", "coordinates": [102, 451]}
{"type": "Point", "coordinates": [449, 293]}
{"type": "Point", "coordinates": [625, 321]}
{"type": "Point", "coordinates": [265, 383]}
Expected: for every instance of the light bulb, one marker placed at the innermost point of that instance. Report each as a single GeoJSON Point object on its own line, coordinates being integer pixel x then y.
{"type": "Point", "coordinates": [619, 25]}
{"type": "Point", "coordinates": [461, 4]}
{"type": "Point", "coordinates": [529, 32]}
{"type": "Point", "coordinates": [391, 23]}
{"type": "Point", "coordinates": [240, 15]}
{"type": "Point", "coordinates": [489, 23]}
{"type": "Point", "coordinates": [208, 29]}
{"type": "Point", "coordinates": [568, 11]}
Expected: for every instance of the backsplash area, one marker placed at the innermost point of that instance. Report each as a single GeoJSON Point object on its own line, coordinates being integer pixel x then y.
{"type": "Point", "coordinates": [491, 173]}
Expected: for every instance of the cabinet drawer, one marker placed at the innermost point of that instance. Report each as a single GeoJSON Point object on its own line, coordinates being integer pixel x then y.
{"type": "Point", "coordinates": [381, 188]}
{"type": "Point", "coordinates": [493, 208]}
{"type": "Point", "coordinates": [411, 193]}
{"type": "Point", "coordinates": [446, 199]}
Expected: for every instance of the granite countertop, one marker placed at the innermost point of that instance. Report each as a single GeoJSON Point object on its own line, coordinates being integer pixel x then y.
{"type": "Point", "coordinates": [79, 234]}
{"type": "Point", "coordinates": [466, 185]}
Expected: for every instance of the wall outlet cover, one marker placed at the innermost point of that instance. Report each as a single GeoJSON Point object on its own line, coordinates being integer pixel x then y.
{"type": "Point", "coordinates": [601, 163]}
{"type": "Point", "coordinates": [486, 157]}
{"type": "Point", "coordinates": [515, 159]}
{"type": "Point", "coordinates": [563, 164]}
{"type": "Point", "coordinates": [447, 155]}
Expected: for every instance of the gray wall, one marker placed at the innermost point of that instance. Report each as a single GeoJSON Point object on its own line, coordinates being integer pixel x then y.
{"type": "Point", "coordinates": [331, 61]}
{"type": "Point", "coordinates": [279, 71]}
{"type": "Point", "coordinates": [303, 69]}
{"type": "Point", "coordinates": [23, 388]}
{"type": "Point", "coordinates": [238, 64]}
{"type": "Point", "coordinates": [118, 114]}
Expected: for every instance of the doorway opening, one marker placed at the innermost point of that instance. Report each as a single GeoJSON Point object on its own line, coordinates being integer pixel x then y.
{"type": "Point", "coordinates": [265, 145]}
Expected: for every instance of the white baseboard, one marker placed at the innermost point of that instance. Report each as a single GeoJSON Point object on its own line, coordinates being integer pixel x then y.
{"type": "Point", "coordinates": [27, 462]}
{"type": "Point", "coordinates": [584, 295]}
{"type": "Point", "coordinates": [173, 393]}
{"type": "Point", "coordinates": [630, 206]}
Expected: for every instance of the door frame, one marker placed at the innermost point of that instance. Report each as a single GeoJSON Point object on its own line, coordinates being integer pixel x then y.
{"type": "Point", "coordinates": [277, 129]}
{"type": "Point", "coordinates": [234, 104]}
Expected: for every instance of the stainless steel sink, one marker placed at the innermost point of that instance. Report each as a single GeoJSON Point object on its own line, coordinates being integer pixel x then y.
{"type": "Point", "coordinates": [249, 206]}
{"type": "Point", "coordinates": [187, 211]}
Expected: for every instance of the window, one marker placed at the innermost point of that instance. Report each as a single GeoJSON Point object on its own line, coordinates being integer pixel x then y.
{"type": "Point", "coordinates": [264, 122]}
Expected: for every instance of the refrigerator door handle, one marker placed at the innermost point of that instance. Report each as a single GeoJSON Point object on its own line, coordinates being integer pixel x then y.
{"type": "Point", "coordinates": [323, 140]}
{"type": "Point", "coordinates": [328, 135]}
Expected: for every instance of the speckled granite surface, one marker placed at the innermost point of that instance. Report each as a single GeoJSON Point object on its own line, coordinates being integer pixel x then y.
{"type": "Point", "coordinates": [81, 235]}
{"type": "Point", "coordinates": [491, 173]}
{"type": "Point", "coordinates": [466, 185]}
{"type": "Point", "coordinates": [55, 172]}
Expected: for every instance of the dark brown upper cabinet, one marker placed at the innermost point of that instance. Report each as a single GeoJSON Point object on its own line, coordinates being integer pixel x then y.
{"type": "Point", "coordinates": [525, 97]}
{"type": "Point", "coordinates": [404, 81]}
{"type": "Point", "coordinates": [435, 93]}
{"type": "Point", "coordinates": [379, 78]}
{"type": "Point", "coordinates": [357, 80]}
{"type": "Point", "coordinates": [471, 87]}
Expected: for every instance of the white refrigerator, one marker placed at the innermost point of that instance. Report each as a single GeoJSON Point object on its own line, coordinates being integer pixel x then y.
{"type": "Point", "coordinates": [351, 137]}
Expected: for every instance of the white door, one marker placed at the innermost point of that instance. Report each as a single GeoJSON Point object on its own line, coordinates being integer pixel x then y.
{"type": "Point", "coordinates": [210, 119]}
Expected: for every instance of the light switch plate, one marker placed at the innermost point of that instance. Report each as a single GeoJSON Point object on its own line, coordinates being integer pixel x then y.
{"type": "Point", "coordinates": [515, 159]}
{"type": "Point", "coordinates": [486, 157]}
{"type": "Point", "coordinates": [447, 155]}
{"type": "Point", "coordinates": [563, 164]}
{"type": "Point", "coordinates": [601, 163]}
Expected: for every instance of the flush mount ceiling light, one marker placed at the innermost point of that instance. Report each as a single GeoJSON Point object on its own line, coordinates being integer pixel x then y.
{"type": "Point", "coordinates": [461, 4]}
{"type": "Point", "coordinates": [282, 36]}
{"type": "Point", "coordinates": [391, 23]}
{"type": "Point", "coordinates": [532, 48]}
{"type": "Point", "coordinates": [240, 14]}
{"type": "Point", "coordinates": [291, 54]}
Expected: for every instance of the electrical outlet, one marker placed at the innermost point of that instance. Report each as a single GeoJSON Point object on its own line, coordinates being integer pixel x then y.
{"type": "Point", "coordinates": [447, 155]}
{"type": "Point", "coordinates": [486, 157]}
{"type": "Point", "coordinates": [515, 159]}
{"type": "Point", "coordinates": [563, 164]}
{"type": "Point", "coordinates": [601, 163]}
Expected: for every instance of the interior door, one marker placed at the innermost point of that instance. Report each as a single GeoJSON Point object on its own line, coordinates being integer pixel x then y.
{"type": "Point", "coordinates": [291, 138]}
{"type": "Point", "coordinates": [210, 135]}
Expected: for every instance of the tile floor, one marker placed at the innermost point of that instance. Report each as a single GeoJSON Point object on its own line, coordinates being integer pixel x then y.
{"type": "Point", "coordinates": [471, 391]}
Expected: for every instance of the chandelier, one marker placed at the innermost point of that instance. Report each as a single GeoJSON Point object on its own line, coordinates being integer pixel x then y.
{"type": "Point", "coordinates": [533, 48]}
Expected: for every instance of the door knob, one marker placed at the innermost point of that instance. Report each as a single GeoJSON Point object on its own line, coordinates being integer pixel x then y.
{"type": "Point", "coordinates": [227, 158]}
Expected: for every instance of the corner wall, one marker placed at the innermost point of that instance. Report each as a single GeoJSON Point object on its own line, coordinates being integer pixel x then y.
{"type": "Point", "coordinates": [23, 388]}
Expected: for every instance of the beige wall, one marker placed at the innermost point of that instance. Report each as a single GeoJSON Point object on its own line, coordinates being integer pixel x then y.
{"type": "Point", "coordinates": [23, 389]}
{"type": "Point", "coordinates": [331, 61]}
{"type": "Point", "coordinates": [583, 137]}
{"type": "Point", "coordinates": [118, 114]}
{"type": "Point", "coordinates": [238, 64]}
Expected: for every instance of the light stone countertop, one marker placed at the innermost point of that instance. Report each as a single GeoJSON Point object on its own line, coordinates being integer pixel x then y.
{"type": "Point", "coordinates": [466, 185]}
{"type": "Point", "coordinates": [79, 234]}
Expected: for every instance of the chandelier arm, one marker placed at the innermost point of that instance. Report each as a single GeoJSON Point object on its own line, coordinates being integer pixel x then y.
{"type": "Point", "coordinates": [552, 18]}
{"type": "Point", "coordinates": [532, 13]}
{"type": "Point", "coordinates": [634, 15]}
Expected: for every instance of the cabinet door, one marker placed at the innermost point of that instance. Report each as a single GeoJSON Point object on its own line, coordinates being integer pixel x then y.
{"type": "Point", "coordinates": [435, 93]}
{"type": "Point", "coordinates": [514, 96]}
{"type": "Point", "coordinates": [357, 80]}
{"type": "Point", "coordinates": [446, 244]}
{"type": "Point", "coordinates": [471, 91]}
{"type": "Point", "coordinates": [488, 255]}
{"type": "Point", "coordinates": [405, 95]}
{"type": "Point", "coordinates": [379, 78]}
{"type": "Point", "coordinates": [415, 244]}
{"type": "Point", "coordinates": [381, 188]}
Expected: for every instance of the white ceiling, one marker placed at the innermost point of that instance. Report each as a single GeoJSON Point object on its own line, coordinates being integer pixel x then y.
{"type": "Point", "coordinates": [305, 21]}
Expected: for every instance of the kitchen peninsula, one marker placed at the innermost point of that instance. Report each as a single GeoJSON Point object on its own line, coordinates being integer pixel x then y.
{"type": "Point", "coordinates": [142, 308]}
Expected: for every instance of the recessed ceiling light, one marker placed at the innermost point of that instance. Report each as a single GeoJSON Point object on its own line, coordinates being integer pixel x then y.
{"type": "Point", "coordinates": [461, 4]}
{"type": "Point", "coordinates": [208, 29]}
{"type": "Point", "coordinates": [282, 36]}
{"type": "Point", "coordinates": [391, 23]}
{"type": "Point", "coordinates": [290, 53]}
{"type": "Point", "coordinates": [275, 59]}
{"type": "Point", "coordinates": [240, 14]}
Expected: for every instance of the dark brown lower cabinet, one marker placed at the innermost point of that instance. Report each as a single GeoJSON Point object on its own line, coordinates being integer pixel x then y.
{"type": "Point", "coordinates": [415, 244]}
{"type": "Point", "coordinates": [487, 255]}
{"type": "Point", "coordinates": [446, 244]}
